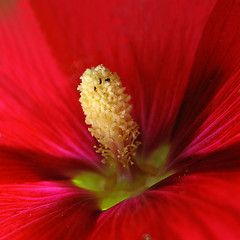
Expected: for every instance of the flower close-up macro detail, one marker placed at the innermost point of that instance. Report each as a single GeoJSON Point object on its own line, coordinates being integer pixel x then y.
{"type": "Point", "coordinates": [119, 119]}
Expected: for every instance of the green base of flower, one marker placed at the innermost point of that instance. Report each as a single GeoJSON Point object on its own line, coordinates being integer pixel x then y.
{"type": "Point", "coordinates": [109, 190]}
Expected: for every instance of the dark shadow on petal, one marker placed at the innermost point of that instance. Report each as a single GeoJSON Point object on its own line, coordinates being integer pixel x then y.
{"type": "Point", "coordinates": [21, 165]}
{"type": "Point", "coordinates": [216, 60]}
{"type": "Point", "coordinates": [227, 159]}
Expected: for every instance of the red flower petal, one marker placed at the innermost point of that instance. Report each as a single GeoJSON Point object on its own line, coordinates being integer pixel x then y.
{"type": "Point", "coordinates": [210, 115]}
{"type": "Point", "coordinates": [45, 211]}
{"type": "Point", "coordinates": [150, 44]}
{"type": "Point", "coordinates": [20, 166]}
{"type": "Point", "coordinates": [198, 206]}
{"type": "Point", "coordinates": [39, 108]}
{"type": "Point", "coordinates": [224, 159]}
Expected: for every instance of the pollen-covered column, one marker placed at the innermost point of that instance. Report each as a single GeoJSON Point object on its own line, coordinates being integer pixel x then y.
{"type": "Point", "coordinates": [108, 111]}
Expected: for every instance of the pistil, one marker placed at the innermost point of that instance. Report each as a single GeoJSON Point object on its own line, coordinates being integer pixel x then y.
{"type": "Point", "coordinates": [108, 112]}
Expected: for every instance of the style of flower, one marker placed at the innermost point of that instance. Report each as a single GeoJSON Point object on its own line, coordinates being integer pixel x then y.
{"type": "Point", "coordinates": [180, 63]}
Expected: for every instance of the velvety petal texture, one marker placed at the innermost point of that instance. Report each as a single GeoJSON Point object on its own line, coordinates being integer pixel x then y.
{"type": "Point", "coordinates": [45, 210]}
{"type": "Point", "coordinates": [150, 44]}
{"type": "Point", "coordinates": [180, 62]}
{"type": "Point", "coordinates": [21, 165]}
{"type": "Point", "coordinates": [39, 107]}
{"type": "Point", "coordinates": [210, 114]}
{"type": "Point", "coordinates": [198, 206]}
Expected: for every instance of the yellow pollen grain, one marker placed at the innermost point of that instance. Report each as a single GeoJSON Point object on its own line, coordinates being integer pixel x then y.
{"type": "Point", "coordinates": [108, 111]}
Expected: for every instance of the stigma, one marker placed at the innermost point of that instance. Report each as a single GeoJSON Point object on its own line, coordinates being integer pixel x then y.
{"type": "Point", "coordinates": [108, 112]}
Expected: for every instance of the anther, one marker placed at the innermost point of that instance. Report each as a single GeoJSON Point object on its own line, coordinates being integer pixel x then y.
{"type": "Point", "coordinates": [108, 112]}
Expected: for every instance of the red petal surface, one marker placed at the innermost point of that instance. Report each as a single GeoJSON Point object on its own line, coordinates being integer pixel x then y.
{"type": "Point", "coordinates": [210, 115]}
{"type": "Point", "coordinates": [21, 165]}
{"type": "Point", "coordinates": [39, 108]}
{"type": "Point", "coordinates": [227, 158]}
{"type": "Point", "coordinates": [198, 206]}
{"type": "Point", "coordinates": [150, 44]}
{"type": "Point", "coordinates": [45, 211]}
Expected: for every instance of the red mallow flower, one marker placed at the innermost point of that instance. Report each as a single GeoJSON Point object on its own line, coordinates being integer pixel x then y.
{"type": "Point", "coordinates": [179, 61]}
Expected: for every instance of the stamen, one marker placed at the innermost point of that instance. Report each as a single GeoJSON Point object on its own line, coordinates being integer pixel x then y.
{"type": "Point", "coordinates": [108, 111]}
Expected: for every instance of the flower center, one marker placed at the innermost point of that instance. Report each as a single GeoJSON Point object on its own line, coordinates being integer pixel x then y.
{"type": "Point", "coordinates": [108, 113]}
